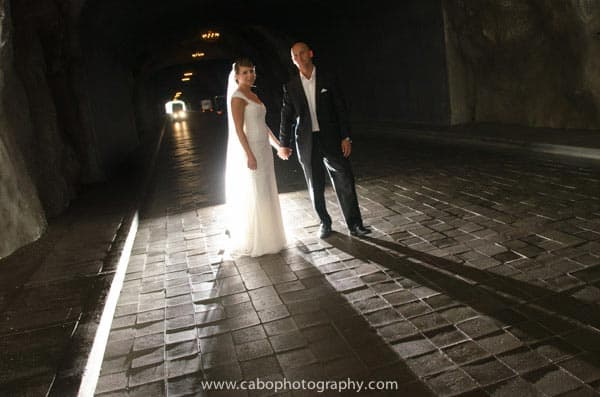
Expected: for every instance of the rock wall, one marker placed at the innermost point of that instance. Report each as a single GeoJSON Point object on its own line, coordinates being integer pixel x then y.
{"type": "Point", "coordinates": [21, 217]}
{"type": "Point", "coordinates": [41, 60]}
{"type": "Point", "coordinates": [390, 58]}
{"type": "Point", "coordinates": [66, 115]}
{"type": "Point", "coordinates": [528, 62]}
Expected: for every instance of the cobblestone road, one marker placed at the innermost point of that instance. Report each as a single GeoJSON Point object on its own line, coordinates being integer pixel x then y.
{"type": "Point", "coordinates": [481, 278]}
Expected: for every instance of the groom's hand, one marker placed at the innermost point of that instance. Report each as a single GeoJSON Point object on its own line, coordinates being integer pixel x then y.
{"type": "Point", "coordinates": [284, 153]}
{"type": "Point", "coordinates": [346, 147]}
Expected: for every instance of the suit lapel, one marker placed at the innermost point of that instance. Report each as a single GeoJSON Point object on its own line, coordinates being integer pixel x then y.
{"type": "Point", "coordinates": [318, 87]}
{"type": "Point", "coordinates": [301, 93]}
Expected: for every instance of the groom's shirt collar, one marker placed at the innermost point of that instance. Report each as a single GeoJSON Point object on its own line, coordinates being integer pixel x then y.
{"type": "Point", "coordinates": [310, 88]}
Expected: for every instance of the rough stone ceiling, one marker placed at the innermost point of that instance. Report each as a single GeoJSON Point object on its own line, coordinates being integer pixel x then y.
{"type": "Point", "coordinates": [170, 29]}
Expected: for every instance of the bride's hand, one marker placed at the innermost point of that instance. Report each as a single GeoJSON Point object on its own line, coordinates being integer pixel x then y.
{"type": "Point", "coordinates": [252, 162]}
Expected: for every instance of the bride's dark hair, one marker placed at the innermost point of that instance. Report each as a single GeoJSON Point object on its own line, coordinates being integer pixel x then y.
{"type": "Point", "coordinates": [242, 62]}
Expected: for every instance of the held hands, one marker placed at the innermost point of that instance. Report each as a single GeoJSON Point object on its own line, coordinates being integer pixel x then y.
{"type": "Point", "coordinates": [284, 153]}
{"type": "Point", "coordinates": [346, 147]}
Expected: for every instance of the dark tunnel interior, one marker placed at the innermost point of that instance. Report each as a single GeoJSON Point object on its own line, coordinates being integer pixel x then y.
{"type": "Point", "coordinates": [472, 248]}
{"type": "Point", "coordinates": [85, 82]}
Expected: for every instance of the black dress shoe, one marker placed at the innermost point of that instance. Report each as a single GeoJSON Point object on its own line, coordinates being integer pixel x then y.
{"type": "Point", "coordinates": [324, 231]}
{"type": "Point", "coordinates": [359, 231]}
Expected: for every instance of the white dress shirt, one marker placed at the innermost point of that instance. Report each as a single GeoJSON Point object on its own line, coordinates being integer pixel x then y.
{"type": "Point", "coordinates": [310, 87]}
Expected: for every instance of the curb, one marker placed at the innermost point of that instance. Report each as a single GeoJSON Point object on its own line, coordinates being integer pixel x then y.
{"type": "Point", "coordinates": [108, 304]}
{"type": "Point", "coordinates": [489, 141]}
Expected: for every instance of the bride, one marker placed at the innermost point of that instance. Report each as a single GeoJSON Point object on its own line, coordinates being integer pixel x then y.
{"type": "Point", "coordinates": [255, 223]}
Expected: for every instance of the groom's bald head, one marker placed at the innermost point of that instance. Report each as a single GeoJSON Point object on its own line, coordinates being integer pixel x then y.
{"type": "Point", "coordinates": [301, 55]}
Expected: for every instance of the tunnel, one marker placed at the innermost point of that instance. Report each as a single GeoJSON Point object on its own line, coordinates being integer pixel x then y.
{"type": "Point", "coordinates": [475, 152]}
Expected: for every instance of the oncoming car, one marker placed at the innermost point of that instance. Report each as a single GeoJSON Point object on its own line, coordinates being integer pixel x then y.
{"type": "Point", "coordinates": [176, 110]}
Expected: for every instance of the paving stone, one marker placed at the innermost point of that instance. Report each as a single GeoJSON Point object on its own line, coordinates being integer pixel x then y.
{"type": "Point", "coordinates": [213, 330]}
{"type": "Point", "coordinates": [260, 367]}
{"type": "Point", "coordinates": [458, 314]}
{"type": "Point", "coordinates": [386, 287]}
{"type": "Point", "coordinates": [218, 358]}
{"type": "Point", "coordinates": [242, 321]}
{"type": "Point", "coordinates": [428, 322]}
{"type": "Point", "coordinates": [555, 349]}
{"type": "Point", "coordinates": [217, 342]}
{"type": "Point", "coordinates": [280, 326]}
{"type": "Point", "coordinates": [296, 358]}
{"type": "Point", "coordinates": [114, 365]}
{"type": "Point", "coordinates": [147, 342]}
{"type": "Point", "coordinates": [360, 294]}
{"type": "Point", "coordinates": [499, 343]}
{"type": "Point", "coordinates": [451, 383]}
{"type": "Point", "coordinates": [343, 368]}
{"type": "Point", "coordinates": [147, 375]}
{"type": "Point", "coordinates": [184, 386]}
{"type": "Point", "coordinates": [184, 366]}
{"type": "Point", "coordinates": [305, 320]}
{"type": "Point", "coordinates": [273, 313]}
{"type": "Point", "coordinates": [399, 298]}
{"type": "Point", "coordinates": [152, 389]}
{"type": "Point", "coordinates": [514, 387]}
{"type": "Point", "coordinates": [478, 326]}
{"type": "Point", "coordinates": [429, 364]}
{"type": "Point", "coordinates": [254, 349]}
{"type": "Point", "coordinates": [440, 301]}
{"type": "Point", "coordinates": [149, 357]}
{"type": "Point", "coordinates": [582, 392]}
{"type": "Point", "coordinates": [375, 354]}
{"type": "Point", "coordinates": [585, 367]}
{"type": "Point", "coordinates": [319, 332]}
{"type": "Point", "coordinates": [488, 371]}
{"type": "Point", "coordinates": [179, 323]}
{"type": "Point", "coordinates": [382, 317]}
{"type": "Point", "coordinates": [413, 346]}
{"type": "Point", "coordinates": [182, 349]}
{"type": "Point", "coordinates": [112, 382]}
{"type": "Point", "coordinates": [552, 381]}
{"type": "Point", "coordinates": [180, 336]}
{"type": "Point", "coordinates": [288, 341]}
{"type": "Point", "coordinates": [118, 348]}
{"type": "Point", "coordinates": [413, 309]}
{"type": "Point", "coordinates": [465, 352]}
{"type": "Point", "coordinates": [446, 336]}
{"type": "Point", "coordinates": [249, 334]}
{"type": "Point", "coordinates": [150, 316]}
{"type": "Point", "coordinates": [523, 360]}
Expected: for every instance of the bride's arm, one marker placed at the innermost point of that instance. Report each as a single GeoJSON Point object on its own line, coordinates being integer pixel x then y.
{"type": "Point", "coordinates": [237, 112]}
{"type": "Point", "coordinates": [274, 141]}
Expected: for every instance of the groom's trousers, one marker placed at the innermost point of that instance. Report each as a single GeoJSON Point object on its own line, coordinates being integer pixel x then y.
{"type": "Point", "coordinates": [342, 178]}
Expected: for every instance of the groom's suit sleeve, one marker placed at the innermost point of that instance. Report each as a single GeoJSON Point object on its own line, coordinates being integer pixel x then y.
{"type": "Point", "coordinates": [288, 114]}
{"type": "Point", "coordinates": [339, 103]}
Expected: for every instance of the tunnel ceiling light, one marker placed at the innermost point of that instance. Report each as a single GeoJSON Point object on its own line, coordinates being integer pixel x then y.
{"type": "Point", "coordinates": [197, 54]}
{"type": "Point", "coordinates": [187, 74]}
{"type": "Point", "coordinates": [185, 79]}
{"type": "Point", "coordinates": [210, 36]}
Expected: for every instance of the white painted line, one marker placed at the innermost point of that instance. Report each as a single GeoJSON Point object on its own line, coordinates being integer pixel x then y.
{"type": "Point", "coordinates": [91, 372]}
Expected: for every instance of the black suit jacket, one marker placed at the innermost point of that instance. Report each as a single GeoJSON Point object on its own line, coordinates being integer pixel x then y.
{"type": "Point", "coordinates": [331, 114]}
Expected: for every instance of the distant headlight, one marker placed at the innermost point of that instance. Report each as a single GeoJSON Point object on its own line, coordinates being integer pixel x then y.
{"type": "Point", "coordinates": [182, 114]}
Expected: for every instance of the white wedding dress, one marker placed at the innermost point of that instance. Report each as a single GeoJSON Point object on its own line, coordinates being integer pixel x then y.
{"type": "Point", "coordinates": [254, 214]}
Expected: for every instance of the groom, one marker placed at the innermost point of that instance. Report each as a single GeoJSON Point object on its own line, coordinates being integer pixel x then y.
{"type": "Point", "coordinates": [314, 109]}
